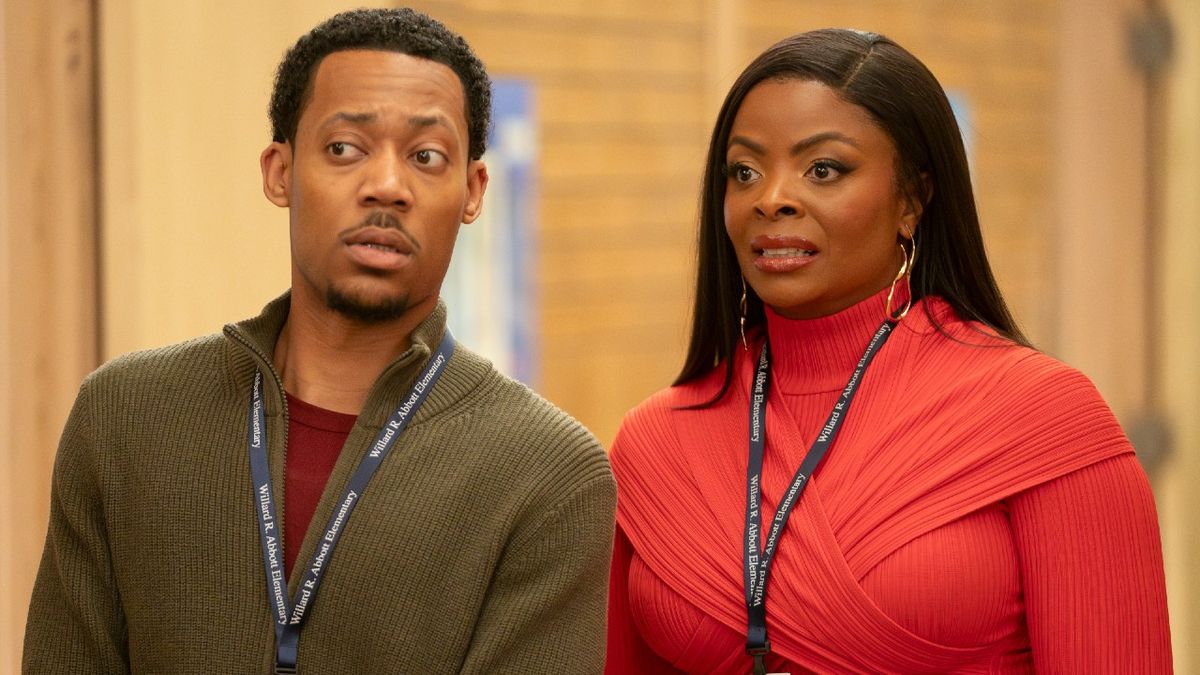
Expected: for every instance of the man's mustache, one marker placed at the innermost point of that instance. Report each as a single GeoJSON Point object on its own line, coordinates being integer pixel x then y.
{"type": "Point", "coordinates": [386, 221]}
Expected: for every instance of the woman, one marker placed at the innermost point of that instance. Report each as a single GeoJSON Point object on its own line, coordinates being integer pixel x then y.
{"type": "Point", "coordinates": [979, 509]}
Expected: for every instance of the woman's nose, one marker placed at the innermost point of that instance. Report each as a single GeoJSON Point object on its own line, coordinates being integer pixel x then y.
{"type": "Point", "coordinates": [778, 199]}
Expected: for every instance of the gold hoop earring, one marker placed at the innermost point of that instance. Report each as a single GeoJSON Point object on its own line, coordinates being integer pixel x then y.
{"type": "Point", "coordinates": [742, 318]}
{"type": "Point", "coordinates": [908, 259]}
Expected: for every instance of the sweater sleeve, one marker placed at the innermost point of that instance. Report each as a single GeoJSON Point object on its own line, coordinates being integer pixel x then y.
{"type": "Point", "coordinates": [75, 623]}
{"type": "Point", "coordinates": [545, 606]}
{"type": "Point", "coordinates": [1092, 570]}
{"type": "Point", "coordinates": [628, 654]}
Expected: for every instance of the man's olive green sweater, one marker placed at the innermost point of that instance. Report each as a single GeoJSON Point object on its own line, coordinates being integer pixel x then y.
{"type": "Point", "coordinates": [481, 545]}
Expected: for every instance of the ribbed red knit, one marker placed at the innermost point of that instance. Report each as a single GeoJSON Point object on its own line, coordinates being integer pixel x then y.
{"type": "Point", "coordinates": [315, 439]}
{"type": "Point", "coordinates": [981, 511]}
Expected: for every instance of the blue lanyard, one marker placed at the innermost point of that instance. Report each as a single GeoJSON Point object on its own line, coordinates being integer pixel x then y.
{"type": "Point", "coordinates": [289, 622]}
{"type": "Point", "coordinates": [758, 561]}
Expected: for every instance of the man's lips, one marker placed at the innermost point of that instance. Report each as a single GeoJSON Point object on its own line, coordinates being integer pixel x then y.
{"type": "Point", "coordinates": [378, 248]}
{"type": "Point", "coordinates": [782, 253]}
{"type": "Point", "coordinates": [379, 238]}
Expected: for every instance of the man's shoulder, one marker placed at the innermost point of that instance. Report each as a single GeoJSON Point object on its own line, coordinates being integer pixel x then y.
{"type": "Point", "coordinates": [156, 400]}
{"type": "Point", "coordinates": [505, 418]}
{"type": "Point", "coordinates": [179, 364]}
{"type": "Point", "coordinates": [505, 435]}
{"type": "Point", "coordinates": [520, 411]}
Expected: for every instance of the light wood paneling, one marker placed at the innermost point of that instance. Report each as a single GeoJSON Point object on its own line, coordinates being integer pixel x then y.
{"type": "Point", "coordinates": [47, 271]}
{"type": "Point", "coordinates": [190, 243]}
{"type": "Point", "coordinates": [1101, 202]}
{"type": "Point", "coordinates": [622, 121]}
{"type": "Point", "coordinates": [1179, 501]}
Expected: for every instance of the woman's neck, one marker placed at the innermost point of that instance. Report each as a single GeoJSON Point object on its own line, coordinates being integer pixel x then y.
{"type": "Point", "coordinates": [812, 355]}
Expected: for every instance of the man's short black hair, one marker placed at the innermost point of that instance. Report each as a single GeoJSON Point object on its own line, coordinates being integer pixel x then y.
{"type": "Point", "coordinates": [397, 30]}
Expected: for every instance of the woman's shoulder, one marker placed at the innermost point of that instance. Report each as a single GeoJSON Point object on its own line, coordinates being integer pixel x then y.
{"type": "Point", "coordinates": [653, 426]}
{"type": "Point", "coordinates": [657, 412]}
{"type": "Point", "coordinates": [1043, 387]}
{"type": "Point", "coordinates": [955, 340]}
{"type": "Point", "coordinates": [1003, 405]}
{"type": "Point", "coordinates": [969, 361]}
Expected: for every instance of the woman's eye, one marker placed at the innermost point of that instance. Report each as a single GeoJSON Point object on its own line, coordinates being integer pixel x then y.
{"type": "Point", "coordinates": [825, 170]}
{"type": "Point", "coordinates": [742, 173]}
{"type": "Point", "coordinates": [429, 158]}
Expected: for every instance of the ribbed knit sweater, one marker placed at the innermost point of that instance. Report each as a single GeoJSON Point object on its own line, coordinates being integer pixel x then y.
{"type": "Point", "coordinates": [980, 512]}
{"type": "Point", "coordinates": [481, 545]}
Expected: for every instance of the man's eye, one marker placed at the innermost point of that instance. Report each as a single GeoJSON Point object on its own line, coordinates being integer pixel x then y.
{"type": "Point", "coordinates": [341, 149]}
{"type": "Point", "coordinates": [430, 158]}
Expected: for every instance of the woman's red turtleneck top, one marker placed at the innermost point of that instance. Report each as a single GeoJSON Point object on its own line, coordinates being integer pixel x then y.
{"type": "Point", "coordinates": [981, 511]}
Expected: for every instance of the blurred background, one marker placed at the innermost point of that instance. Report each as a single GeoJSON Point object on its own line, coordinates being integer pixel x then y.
{"type": "Point", "coordinates": [131, 211]}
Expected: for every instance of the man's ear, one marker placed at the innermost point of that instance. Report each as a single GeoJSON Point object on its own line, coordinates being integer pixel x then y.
{"type": "Point", "coordinates": [477, 180]}
{"type": "Point", "coordinates": [276, 164]}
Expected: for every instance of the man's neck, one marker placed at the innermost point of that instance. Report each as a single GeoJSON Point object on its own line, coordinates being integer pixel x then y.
{"type": "Point", "coordinates": [331, 361]}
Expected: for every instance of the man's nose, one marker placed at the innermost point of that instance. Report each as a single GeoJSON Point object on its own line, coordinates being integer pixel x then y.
{"type": "Point", "coordinates": [387, 182]}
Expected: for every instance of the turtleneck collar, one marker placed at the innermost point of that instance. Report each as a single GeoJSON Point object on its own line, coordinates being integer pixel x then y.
{"type": "Point", "coordinates": [816, 355]}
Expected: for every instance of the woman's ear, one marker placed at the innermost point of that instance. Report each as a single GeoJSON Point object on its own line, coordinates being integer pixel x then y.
{"type": "Point", "coordinates": [915, 206]}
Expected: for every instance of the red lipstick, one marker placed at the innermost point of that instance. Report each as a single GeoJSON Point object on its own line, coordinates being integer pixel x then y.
{"type": "Point", "coordinates": [782, 253]}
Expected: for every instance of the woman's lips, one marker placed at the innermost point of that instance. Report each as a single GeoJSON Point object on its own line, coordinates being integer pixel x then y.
{"type": "Point", "coordinates": [782, 253]}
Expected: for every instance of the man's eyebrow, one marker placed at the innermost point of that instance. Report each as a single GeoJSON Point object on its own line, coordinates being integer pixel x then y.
{"type": "Point", "coordinates": [426, 120]}
{"type": "Point", "coordinates": [363, 118]}
{"type": "Point", "coordinates": [352, 118]}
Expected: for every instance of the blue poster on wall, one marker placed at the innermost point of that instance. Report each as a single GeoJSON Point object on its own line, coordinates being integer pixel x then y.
{"type": "Point", "coordinates": [489, 289]}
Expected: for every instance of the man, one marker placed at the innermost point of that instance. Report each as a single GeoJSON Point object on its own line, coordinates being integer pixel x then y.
{"type": "Point", "coordinates": [334, 486]}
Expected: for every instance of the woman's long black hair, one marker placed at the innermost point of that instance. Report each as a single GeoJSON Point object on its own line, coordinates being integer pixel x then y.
{"type": "Point", "coordinates": [906, 101]}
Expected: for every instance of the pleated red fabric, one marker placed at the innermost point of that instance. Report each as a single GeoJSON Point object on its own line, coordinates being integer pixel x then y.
{"type": "Point", "coordinates": [981, 511]}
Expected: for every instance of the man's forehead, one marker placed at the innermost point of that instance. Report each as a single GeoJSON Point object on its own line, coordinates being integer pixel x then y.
{"type": "Point", "coordinates": [384, 76]}
{"type": "Point", "coordinates": [382, 63]}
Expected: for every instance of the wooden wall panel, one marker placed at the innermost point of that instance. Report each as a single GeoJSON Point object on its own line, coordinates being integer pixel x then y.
{"type": "Point", "coordinates": [47, 271]}
{"type": "Point", "coordinates": [1178, 499]}
{"type": "Point", "coordinates": [1101, 203]}
{"type": "Point", "coordinates": [622, 122]}
{"type": "Point", "coordinates": [190, 243]}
